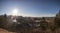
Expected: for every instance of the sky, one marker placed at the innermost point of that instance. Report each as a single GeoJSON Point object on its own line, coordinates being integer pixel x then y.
{"type": "Point", "coordinates": [33, 8]}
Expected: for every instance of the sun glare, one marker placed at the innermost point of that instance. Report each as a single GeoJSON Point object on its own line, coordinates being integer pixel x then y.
{"type": "Point", "coordinates": [15, 12]}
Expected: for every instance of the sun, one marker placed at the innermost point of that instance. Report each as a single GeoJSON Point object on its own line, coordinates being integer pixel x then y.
{"type": "Point", "coordinates": [15, 12]}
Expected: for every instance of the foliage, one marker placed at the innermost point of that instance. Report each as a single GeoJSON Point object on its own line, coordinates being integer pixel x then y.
{"type": "Point", "coordinates": [43, 24]}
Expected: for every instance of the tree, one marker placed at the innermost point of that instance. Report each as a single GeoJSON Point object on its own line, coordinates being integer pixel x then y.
{"type": "Point", "coordinates": [57, 19]}
{"type": "Point", "coordinates": [1, 21]}
{"type": "Point", "coordinates": [56, 22]}
{"type": "Point", "coordinates": [4, 20]}
{"type": "Point", "coordinates": [43, 24]}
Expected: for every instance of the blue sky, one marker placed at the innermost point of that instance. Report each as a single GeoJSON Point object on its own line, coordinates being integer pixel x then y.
{"type": "Point", "coordinates": [35, 8]}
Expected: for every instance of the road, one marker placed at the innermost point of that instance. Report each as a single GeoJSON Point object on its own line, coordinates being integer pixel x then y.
{"type": "Point", "coordinates": [5, 31]}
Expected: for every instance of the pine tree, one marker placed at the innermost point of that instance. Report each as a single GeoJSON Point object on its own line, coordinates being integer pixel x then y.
{"type": "Point", "coordinates": [43, 24]}
{"type": "Point", "coordinates": [57, 20]}
{"type": "Point", "coordinates": [56, 23]}
{"type": "Point", "coordinates": [5, 21]}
